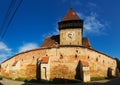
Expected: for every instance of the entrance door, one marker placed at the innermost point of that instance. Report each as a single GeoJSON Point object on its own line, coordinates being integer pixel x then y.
{"type": "Point", "coordinates": [44, 73]}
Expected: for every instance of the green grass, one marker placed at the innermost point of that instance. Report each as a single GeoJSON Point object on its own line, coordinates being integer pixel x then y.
{"type": "Point", "coordinates": [27, 80]}
{"type": "Point", "coordinates": [6, 77]}
{"type": "Point", "coordinates": [97, 78]}
{"type": "Point", "coordinates": [22, 79]}
{"type": "Point", "coordinates": [102, 78]}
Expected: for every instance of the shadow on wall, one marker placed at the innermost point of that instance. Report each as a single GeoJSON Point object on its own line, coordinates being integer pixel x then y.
{"type": "Point", "coordinates": [38, 70]}
{"type": "Point", "coordinates": [109, 73]}
{"type": "Point", "coordinates": [79, 73]}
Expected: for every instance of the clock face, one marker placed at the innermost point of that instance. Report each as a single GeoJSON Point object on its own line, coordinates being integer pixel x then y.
{"type": "Point", "coordinates": [70, 35]}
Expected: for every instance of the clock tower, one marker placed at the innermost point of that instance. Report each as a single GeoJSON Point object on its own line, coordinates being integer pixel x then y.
{"type": "Point", "coordinates": [71, 29]}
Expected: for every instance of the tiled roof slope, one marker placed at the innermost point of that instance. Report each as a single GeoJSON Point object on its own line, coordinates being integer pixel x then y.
{"type": "Point", "coordinates": [51, 41]}
{"type": "Point", "coordinates": [71, 15]}
{"type": "Point", "coordinates": [84, 63]}
{"type": "Point", "coordinates": [45, 60]}
{"type": "Point", "coordinates": [55, 40]}
{"type": "Point", "coordinates": [86, 42]}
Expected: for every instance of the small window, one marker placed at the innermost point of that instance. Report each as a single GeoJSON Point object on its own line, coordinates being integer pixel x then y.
{"type": "Point", "coordinates": [88, 57]}
{"type": "Point", "coordinates": [96, 59]}
{"type": "Point", "coordinates": [61, 56]}
{"type": "Point", "coordinates": [99, 56]}
{"type": "Point", "coordinates": [76, 56]}
{"type": "Point", "coordinates": [76, 51]}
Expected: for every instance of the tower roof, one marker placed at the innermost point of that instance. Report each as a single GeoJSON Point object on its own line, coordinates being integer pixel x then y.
{"type": "Point", "coordinates": [71, 15]}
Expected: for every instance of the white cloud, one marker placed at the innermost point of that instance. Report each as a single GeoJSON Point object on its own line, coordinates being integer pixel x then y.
{"type": "Point", "coordinates": [5, 52]}
{"type": "Point", "coordinates": [92, 24]}
{"type": "Point", "coordinates": [27, 46]}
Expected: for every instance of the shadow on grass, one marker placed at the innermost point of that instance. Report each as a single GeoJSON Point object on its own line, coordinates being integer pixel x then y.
{"type": "Point", "coordinates": [54, 81]}
{"type": "Point", "coordinates": [110, 82]}
{"type": "Point", "coordinates": [62, 81]}
{"type": "Point", "coordinates": [115, 81]}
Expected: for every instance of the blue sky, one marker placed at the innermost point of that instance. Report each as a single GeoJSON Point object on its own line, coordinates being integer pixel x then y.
{"type": "Point", "coordinates": [36, 19]}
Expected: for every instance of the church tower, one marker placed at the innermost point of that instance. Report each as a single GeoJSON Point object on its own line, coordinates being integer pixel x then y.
{"type": "Point", "coordinates": [71, 29]}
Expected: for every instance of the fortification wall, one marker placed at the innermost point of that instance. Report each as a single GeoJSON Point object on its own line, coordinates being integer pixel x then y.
{"type": "Point", "coordinates": [22, 65]}
{"type": "Point", "coordinates": [64, 62]}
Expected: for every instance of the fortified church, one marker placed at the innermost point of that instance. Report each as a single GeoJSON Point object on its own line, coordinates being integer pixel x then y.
{"type": "Point", "coordinates": [68, 55]}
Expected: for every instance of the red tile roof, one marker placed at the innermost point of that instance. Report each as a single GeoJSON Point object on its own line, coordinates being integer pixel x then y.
{"type": "Point", "coordinates": [71, 15]}
{"type": "Point", "coordinates": [84, 63]}
{"type": "Point", "coordinates": [51, 41]}
{"type": "Point", "coordinates": [86, 42]}
{"type": "Point", "coordinates": [45, 60]}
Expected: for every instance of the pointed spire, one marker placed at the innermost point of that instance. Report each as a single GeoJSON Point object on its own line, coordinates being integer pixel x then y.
{"type": "Point", "coordinates": [71, 15]}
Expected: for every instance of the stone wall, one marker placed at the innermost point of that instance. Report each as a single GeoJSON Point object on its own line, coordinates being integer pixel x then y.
{"type": "Point", "coordinates": [66, 59]}
{"type": "Point", "coordinates": [26, 63]}
{"type": "Point", "coordinates": [64, 62]}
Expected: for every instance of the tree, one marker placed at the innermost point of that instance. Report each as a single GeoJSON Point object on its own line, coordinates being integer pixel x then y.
{"type": "Point", "coordinates": [118, 63]}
